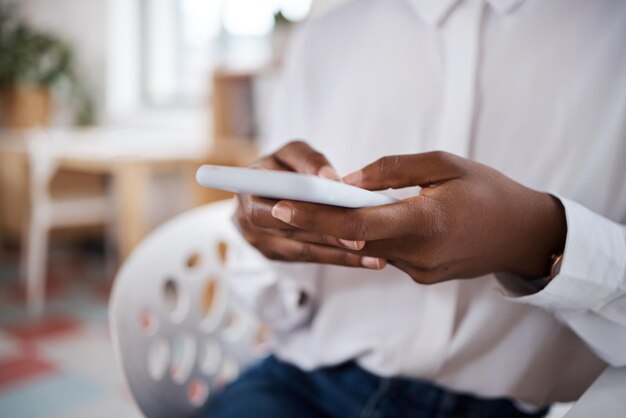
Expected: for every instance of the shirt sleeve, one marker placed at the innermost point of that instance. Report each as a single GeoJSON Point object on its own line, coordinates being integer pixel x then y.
{"type": "Point", "coordinates": [589, 293]}
{"type": "Point", "coordinates": [281, 294]}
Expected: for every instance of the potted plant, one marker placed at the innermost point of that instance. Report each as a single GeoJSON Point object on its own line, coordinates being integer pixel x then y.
{"type": "Point", "coordinates": [33, 66]}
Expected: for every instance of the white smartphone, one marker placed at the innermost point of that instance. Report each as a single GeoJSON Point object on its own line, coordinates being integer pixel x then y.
{"type": "Point", "coordinates": [287, 185]}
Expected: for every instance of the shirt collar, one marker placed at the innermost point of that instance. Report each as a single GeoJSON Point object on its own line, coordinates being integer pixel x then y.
{"type": "Point", "coordinates": [433, 12]}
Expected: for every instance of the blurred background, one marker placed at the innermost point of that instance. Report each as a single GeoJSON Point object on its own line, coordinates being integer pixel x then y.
{"type": "Point", "coordinates": [107, 107]}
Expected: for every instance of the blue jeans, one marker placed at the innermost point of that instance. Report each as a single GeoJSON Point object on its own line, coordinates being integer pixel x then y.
{"type": "Point", "coordinates": [276, 389]}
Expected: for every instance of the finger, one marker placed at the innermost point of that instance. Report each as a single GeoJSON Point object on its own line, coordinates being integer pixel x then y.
{"type": "Point", "coordinates": [323, 239]}
{"type": "Point", "coordinates": [409, 216]}
{"type": "Point", "coordinates": [269, 163]}
{"type": "Point", "coordinates": [257, 236]}
{"type": "Point", "coordinates": [284, 249]}
{"type": "Point", "coordinates": [384, 248]}
{"type": "Point", "coordinates": [265, 240]}
{"type": "Point", "coordinates": [258, 212]}
{"type": "Point", "coordinates": [300, 157]}
{"type": "Point", "coordinates": [394, 172]}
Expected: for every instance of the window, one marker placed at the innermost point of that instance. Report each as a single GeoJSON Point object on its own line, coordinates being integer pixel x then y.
{"type": "Point", "coordinates": [185, 40]}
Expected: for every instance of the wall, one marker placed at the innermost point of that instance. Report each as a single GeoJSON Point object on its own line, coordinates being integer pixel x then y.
{"type": "Point", "coordinates": [106, 37]}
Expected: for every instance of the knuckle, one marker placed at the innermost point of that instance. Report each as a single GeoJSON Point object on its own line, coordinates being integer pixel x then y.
{"type": "Point", "coordinates": [447, 159]}
{"type": "Point", "coordinates": [271, 253]}
{"type": "Point", "coordinates": [441, 156]}
{"type": "Point", "coordinates": [254, 212]}
{"type": "Point", "coordinates": [385, 164]}
{"type": "Point", "coordinates": [305, 253]}
{"type": "Point", "coordinates": [306, 222]}
{"type": "Point", "coordinates": [252, 239]}
{"type": "Point", "coordinates": [356, 227]}
{"type": "Point", "coordinates": [430, 261]}
{"type": "Point", "coordinates": [295, 143]}
{"type": "Point", "coordinates": [348, 259]}
{"type": "Point", "coordinates": [325, 239]}
{"type": "Point", "coordinates": [262, 162]}
{"type": "Point", "coordinates": [424, 277]}
{"type": "Point", "coordinates": [386, 167]}
{"type": "Point", "coordinates": [428, 265]}
{"type": "Point", "coordinates": [314, 161]}
{"type": "Point", "coordinates": [315, 155]}
{"type": "Point", "coordinates": [433, 276]}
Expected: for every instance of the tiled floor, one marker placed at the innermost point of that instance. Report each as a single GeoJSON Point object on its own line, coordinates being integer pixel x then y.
{"type": "Point", "coordinates": [62, 365]}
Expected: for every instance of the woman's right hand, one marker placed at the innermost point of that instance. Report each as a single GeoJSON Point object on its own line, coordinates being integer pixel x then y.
{"type": "Point", "coordinates": [277, 240]}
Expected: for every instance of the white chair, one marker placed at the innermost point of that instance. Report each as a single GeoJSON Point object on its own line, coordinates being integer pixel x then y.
{"type": "Point", "coordinates": [47, 213]}
{"type": "Point", "coordinates": [177, 331]}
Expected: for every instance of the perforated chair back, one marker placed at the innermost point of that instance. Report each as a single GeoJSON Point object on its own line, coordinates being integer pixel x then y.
{"type": "Point", "coordinates": [178, 333]}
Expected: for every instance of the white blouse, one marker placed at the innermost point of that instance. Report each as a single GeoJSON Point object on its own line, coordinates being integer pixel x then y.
{"type": "Point", "coordinates": [535, 89]}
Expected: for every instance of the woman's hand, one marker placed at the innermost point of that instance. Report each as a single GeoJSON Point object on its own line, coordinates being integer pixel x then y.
{"type": "Point", "coordinates": [273, 238]}
{"type": "Point", "coordinates": [467, 221]}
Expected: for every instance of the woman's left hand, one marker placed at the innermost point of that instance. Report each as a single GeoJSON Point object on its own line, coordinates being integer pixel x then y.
{"type": "Point", "coordinates": [467, 221]}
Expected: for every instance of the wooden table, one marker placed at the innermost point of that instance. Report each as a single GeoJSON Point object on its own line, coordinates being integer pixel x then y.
{"type": "Point", "coordinates": [130, 181]}
{"type": "Point", "coordinates": [130, 165]}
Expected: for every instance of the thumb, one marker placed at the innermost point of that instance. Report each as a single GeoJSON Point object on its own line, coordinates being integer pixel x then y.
{"type": "Point", "coordinates": [398, 171]}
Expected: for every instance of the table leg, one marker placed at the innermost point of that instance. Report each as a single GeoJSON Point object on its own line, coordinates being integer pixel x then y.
{"type": "Point", "coordinates": [131, 190]}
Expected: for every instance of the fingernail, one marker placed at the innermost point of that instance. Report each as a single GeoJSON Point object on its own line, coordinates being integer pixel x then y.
{"type": "Point", "coordinates": [354, 245]}
{"type": "Point", "coordinates": [354, 178]}
{"type": "Point", "coordinates": [328, 172]}
{"type": "Point", "coordinates": [282, 212]}
{"type": "Point", "coordinates": [372, 263]}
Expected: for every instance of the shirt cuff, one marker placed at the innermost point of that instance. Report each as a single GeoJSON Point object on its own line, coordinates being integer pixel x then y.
{"type": "Point", "coordinates": [283, 295]}
{"type": "Point", "coordinates": [593, 267]}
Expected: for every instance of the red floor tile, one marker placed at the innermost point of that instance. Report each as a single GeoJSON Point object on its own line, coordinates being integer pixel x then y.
{"type": "Point", "coordinates": [56, 287]}
{"type": "Point", "coordinates": [16, 369]}
{"type": "Point", "coordinates": [47, 327]}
